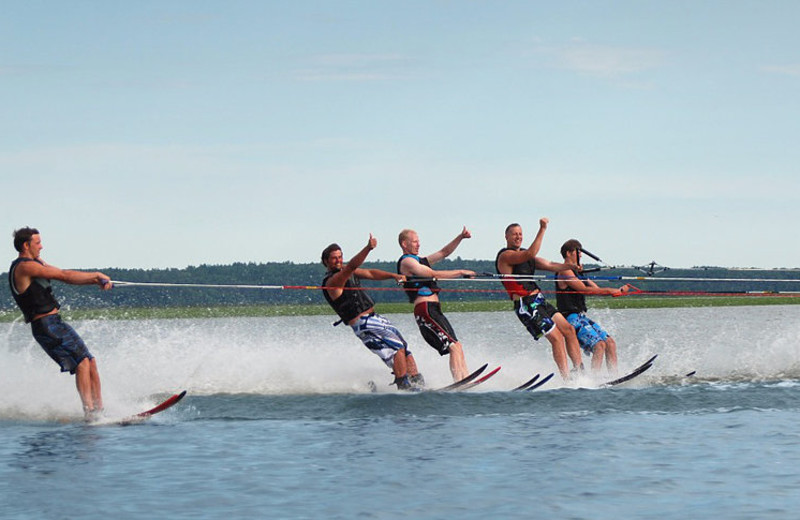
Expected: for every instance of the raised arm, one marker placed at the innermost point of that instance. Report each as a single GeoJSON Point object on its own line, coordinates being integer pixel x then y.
{"type": "Point", "coordinates": [511, 257]}
{"type": "Point", "coordinates": [340, 278]}
{"type": "Point", "coordinates": [537, 241]}
{"type": "Point", "coordinates": [450, 247]}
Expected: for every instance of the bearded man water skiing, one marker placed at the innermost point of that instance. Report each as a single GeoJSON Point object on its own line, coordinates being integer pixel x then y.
{"type": "Point", "coordinates": [343, 292]}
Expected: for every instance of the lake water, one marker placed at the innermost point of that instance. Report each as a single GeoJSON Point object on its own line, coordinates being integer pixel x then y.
{"type": "Point", "coordinates": [279, 422]}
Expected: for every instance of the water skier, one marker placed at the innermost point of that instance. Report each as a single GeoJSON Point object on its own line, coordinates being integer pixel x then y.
{"type": "Point", "coordinates": [354, 306]}
{"type": "Point", "coordinates": [571, 300]}
{"type": "Point", "coordinates": [531, 307]}
{"type": "Point", "coordinates": [423, 293]}
{"type": "Point", "coordinates": [29, 279]}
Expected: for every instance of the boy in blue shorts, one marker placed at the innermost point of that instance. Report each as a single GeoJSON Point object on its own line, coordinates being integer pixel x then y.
{"type": "Point", "coordinates": [571, 291]}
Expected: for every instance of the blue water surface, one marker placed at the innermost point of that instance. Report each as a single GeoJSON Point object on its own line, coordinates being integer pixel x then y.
{"type": "Point", "coordinates": [279, 423]}
{"type": "Point", "coordinates": [731, 451]}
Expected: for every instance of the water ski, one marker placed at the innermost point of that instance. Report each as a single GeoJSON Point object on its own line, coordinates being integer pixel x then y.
{"type": "Point", "coordinates": [143, 416]}
{"type": "Point", "coordinates": [462, 382]}
{"type": "Point", "coordinates": [476, 382]}
{"type": "Point", "coordinates": [636, 372]}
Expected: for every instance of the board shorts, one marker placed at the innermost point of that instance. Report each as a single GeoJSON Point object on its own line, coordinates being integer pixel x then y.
{"type": "Point", "coordinates": [536, 313]}
{"type": "Point", "coordinates": [380, 337]}
{"type": "Point", "coordinates": [435, 328]}
{"type": "Point", "coordinates": [60, 341]}
{"type": "Point", "coordinates": [589, 333]}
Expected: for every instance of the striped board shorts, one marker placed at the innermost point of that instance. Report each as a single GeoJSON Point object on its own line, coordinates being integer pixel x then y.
{"type": "Point", "coordinates": [380, 336]}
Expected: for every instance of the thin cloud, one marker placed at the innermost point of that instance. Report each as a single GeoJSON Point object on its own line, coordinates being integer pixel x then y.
{"type": "Point", "coordinates": [354, 67]}
{"type": "Point", "coordinates": [785, 70]}
{"type": "Point", "coordinates": [606, 61]}
{"type": "Point", "coordinates": [602, 60]}
{"type": "Point", "coordinates": [25, 70]}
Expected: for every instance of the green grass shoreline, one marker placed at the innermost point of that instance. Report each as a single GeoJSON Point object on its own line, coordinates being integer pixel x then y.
{"type": "Point", "coordinates": [231, 311]}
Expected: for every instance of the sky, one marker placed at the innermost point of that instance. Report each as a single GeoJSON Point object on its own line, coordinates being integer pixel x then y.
{"type": "Point", "coordinates": [160, 134]}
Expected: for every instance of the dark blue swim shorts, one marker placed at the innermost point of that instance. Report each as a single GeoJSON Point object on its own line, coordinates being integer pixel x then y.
{"type": "Point", "coordinates": [60, 341]}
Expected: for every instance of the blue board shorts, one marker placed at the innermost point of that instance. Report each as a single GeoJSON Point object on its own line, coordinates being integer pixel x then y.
{"type": "Point", "coordinates": [60, 341]}
{"type": "Point", "coordinates": [589, 333]}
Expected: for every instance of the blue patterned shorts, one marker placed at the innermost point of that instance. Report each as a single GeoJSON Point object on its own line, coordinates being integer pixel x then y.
{"type": "Point", "coordinates": [589, 333]}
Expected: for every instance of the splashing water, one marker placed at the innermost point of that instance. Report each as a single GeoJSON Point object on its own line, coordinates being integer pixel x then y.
{"type": "Point", "coordinates": [140, 360]}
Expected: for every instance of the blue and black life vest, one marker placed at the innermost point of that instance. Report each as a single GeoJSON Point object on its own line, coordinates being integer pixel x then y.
{"type": "Point", "coordinates": [417, 287]}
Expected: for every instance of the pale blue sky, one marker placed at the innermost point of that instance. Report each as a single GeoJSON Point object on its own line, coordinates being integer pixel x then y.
{"type": "Point", "coordinates": [166, 134]}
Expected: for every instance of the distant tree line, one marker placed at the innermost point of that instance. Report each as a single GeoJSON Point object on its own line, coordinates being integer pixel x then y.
{"type": "Point", "coordinates": [311, 274]}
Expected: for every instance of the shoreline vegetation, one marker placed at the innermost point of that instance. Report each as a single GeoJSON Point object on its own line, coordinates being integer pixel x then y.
{"type": "Point", "coordinates": [273, 310]}
{"type": "Point", "coordinates": [214, 291]}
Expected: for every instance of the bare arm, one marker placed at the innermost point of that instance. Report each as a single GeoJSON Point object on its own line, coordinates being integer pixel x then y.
{"type": "Point", "coordinates": [537, 241]}
{"type": "Point", "coordinates": [411, 267]}
{"type": "Point", "coordinates": [546, 265]}
{"type": "Point", "coordinates": [450, 247]}
{"type": "Point", "coordinates": [379, 274]}
{"type": "Point", "coordinates": [25, 271]}
{"type": "Point", "coordinates": [508, 259]}
{"type": "Point", "coordinates": [340, 278]}
{"type": "Point", "coordinates": [454, 273]}
{"type": "Point", "coordinates": [567, 278]}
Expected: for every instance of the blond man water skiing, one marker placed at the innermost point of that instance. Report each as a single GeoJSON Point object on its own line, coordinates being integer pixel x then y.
{"type": "Point", "coordinates": [422, 291]}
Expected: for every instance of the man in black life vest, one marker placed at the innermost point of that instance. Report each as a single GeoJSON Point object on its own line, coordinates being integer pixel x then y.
{"type": "Point", "coordinates": [423, 293]}
{"type": "Point", "coordinates": [353, 305]}
{"type": "Point", "coordinates": [538, 316]}
{"type": "Point", "coordinates": [571, 291]}
{"type": "Point", "coordinates": [29, 279]}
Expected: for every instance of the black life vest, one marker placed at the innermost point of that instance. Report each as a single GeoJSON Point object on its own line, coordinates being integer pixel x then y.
{"type": "Point", "coordinates": [353, 300]}
{"type": "Point", "coordinates": [37, 298]}
{"type": "Point", "coordinates": [518, 287]}
{"type": "Point", "coordinates": [413, 285]}
{"type": "Point", "coordinates": [570, 301]}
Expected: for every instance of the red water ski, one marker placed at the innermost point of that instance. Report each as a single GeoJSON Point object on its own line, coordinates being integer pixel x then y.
{"type": "Point", "coordinates": [478, 381]}
{"type": "Point", "coordinates": [143, 416]}
{"type": "Point", "coordinates": [172, 400]}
